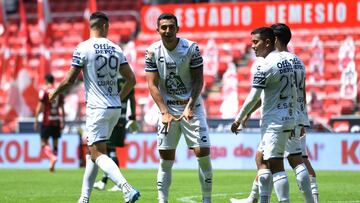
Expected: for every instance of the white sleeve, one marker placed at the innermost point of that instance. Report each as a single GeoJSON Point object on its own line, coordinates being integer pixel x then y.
{"type": "Point", "coordinates": [250, 101]}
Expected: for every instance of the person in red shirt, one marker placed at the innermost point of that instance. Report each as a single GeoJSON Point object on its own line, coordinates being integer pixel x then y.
{"type": "Point", "coordinates": [53, 120]}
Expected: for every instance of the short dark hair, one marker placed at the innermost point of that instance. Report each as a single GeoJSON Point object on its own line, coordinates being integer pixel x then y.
{"type": "Point", "coordinates": [49, 78]}
{"type": "Point", "coordinates": [282, 32]}
{"type": "Point", "coordinates": [98, 18]}
{"type": "Point", "coordinates": [167, 16]}
{"type": "Point", "coordinates": [265, 33]}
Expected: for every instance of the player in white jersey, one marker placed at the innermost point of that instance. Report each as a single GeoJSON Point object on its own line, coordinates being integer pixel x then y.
{"type": "Point", "coordinates": [299, 162]}
{"type": "Point", "coordinates": [294, 147]}
{"type": "Point", "coordinates": [101, 61]}
{"type": "Point", "coordinates": [174, 71]}
{"type": "Point", "coordinates": [273, 77]}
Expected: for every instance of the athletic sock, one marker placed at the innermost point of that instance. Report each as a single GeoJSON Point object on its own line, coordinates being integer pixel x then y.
{"type": "Point", "coordinates": [205, 176]}
{"type": "Point", "coordinates": [281, 186]}
{"type": "Point", "coordinates": [303, 181]}
{"type": "Point", "coordinates": [164, 179]}
{"type": "Point", "coordinates": [89, 177]}
{"type": "Point", "coordinates": [314, 189]}
{"type": "Point", "coordinates": [254, 193]}
{"type": "Point", "coordinates": [264, 181]}
{"type": "Point", "coordinates": [111, 169]}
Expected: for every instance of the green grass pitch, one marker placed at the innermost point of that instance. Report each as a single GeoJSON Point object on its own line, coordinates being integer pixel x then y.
{"type": "Point", "coordinates": [63, 186]}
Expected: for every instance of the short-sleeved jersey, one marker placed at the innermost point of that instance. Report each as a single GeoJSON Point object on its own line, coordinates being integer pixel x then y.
{"type": "Point", "coordinates": [51, 114]}
{"type": "Point", "coordinates": [275, 76]}
{"type": "Point", "coordinates": [174, 68]}
{"type": "Point", "coordinates": [100, 60]}
{"type": "Point", "coordinates": [300, 76]}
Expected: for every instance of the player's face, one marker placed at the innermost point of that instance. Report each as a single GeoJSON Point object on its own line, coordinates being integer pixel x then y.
{"type": "Point", "coordinates": [258, 45]}
{"type": "Point", "coordinates": [167, 30]}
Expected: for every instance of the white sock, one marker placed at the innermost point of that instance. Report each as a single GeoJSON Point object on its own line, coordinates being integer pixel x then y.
{"type": "Point", "coordinates": [205, 176]}
{"type": "Point", "coordinates": [264, 181]}
{"type": "Point", "coordinates": [254, 193]}
{"type": "Point", "coordinates": [112, 170]}
{"type": "Point", "coordinates": [281, 186]}
{"type": "Point", "coordinates": [164, 179]}
{"type": "Point", "coordinates": [89, 177]}
{"type": "Point", "coordinates": [303, 181]}
{"type": "Point", "coordinates": [314, 189]}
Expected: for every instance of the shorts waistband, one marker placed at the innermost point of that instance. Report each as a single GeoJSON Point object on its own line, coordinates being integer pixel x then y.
{"type": "Point", "coordinates": [113, 107]}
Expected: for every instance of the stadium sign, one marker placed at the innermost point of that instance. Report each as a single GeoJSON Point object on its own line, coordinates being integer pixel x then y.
{"type": "Point", "coordinates": [327, 151]}
{"type": "Point", "coordinates": [242, 16]}
{"type": "Point", "coordinates": [23, 151]}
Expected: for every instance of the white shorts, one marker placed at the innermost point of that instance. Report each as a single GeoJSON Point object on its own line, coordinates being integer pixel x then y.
{"type": "Point", "coordinates": [273, 144]}
{"type": "Point", "coordinates": [195, 131]}
{"type": "Point", "coordinates": [100, 123]}
{"type": "Point", "coordinates": [303, 146]}
{"type": "Point", "coordinates": [293, 145]}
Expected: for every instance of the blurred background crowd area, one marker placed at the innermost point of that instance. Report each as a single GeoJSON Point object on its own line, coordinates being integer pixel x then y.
{"type": "Point", "coordinates": [39, 36]}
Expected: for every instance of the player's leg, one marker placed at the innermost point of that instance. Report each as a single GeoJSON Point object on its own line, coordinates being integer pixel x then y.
{"type": "Point", "coordinates": [166, 145]}
{"type": "Point", "coordinates": [293, 149]}
{"type": "Point", "coordinates": [117, 139]}
{"type": "Point", "coordinates": [56, 134]}
{"type": "Point", "coordinates": [91, 170]}
{"type": "Point", "coordinates": [99, 126]}
{"type": "Point", "coordinates": [45, 147]}
{"type": "Point", "coordinates": [101, 184]}
{"type": "Point", "coordinates": [313, 183]}
{"type": "Point", "coordinates": [273, 152]}
{"type": "Point", "coordinates": [205, 171]}
{"type": "Point", "coordinates": [197, 138]}
{"type": "Point", "coordinates": [164, 175]}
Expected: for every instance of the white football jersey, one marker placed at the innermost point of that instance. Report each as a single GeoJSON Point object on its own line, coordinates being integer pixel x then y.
{"type": "Point", "coordinates": [300, 76]}
{"type": "Point", "coordinates": [100, 60]}
{"type": "Point", "coordinates": [275, 75]}
{"type": "Point", "coordinates": [175, 83]}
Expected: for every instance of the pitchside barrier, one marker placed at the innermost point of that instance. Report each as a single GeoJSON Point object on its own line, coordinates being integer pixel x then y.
{"type": "Point", "coordinates": [327, 151]}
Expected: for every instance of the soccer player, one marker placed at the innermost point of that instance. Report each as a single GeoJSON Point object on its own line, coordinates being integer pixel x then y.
{"type": "Point", "coordinates": [274, 77]}
{"type": "Point", "coordinates": [296, 146]}
{"type": "Point", "coordinates": [101, 61]}
{"type": "Point", "coordinates": [53, 120]}
{"type": "Point", "coordinates": [118, 135]}
{"type": "Point", "coordinates": [174, 72]}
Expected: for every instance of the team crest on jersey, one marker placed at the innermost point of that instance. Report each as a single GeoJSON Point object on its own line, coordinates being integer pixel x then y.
{"type": "Point", "coordinates": [174, 84]}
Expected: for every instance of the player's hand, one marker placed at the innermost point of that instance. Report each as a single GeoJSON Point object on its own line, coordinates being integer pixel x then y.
{"type": "Point", "coordinates": [166, 119]}
{"type": "Point", "coordinates": [188, 114]}
{"type": "Point", "coordinates": [235, 127]}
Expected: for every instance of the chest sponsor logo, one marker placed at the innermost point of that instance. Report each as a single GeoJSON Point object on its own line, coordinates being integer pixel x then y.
{"type": "Point", "coordinates": [174, 84]}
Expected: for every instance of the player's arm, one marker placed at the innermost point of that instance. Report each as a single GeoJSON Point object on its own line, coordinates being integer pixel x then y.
{"type": "Point", "coordinates": [132, 100]}
{"type": "Point", "coordinates": [197, 78]}
{"type": "Point", "coordinates": [250, 102]}
{"type": "Point", "coordinates": [257, 105]}
{"type": "Point", "coordinates": [130, 80]}
{"type": "Point", "coordinates": [66, 83]}
{"type": "Point", "coordinates": [153, 82]}
{"type": "Point", "coordinates": [198, 82]}
{"type": "Point", "coordinates": [38, 110]}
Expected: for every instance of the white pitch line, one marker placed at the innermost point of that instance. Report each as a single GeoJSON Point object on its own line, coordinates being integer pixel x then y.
{"type": "Point", "coordinates": [189, 199]}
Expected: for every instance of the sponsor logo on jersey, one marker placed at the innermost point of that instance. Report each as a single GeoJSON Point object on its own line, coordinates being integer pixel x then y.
{"type": "Point", "coordinates": [174, 84]}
